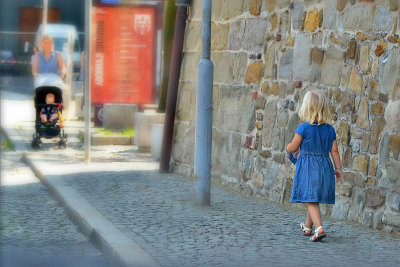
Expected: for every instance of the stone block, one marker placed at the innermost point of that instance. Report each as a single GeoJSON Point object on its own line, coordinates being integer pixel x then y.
{"type": "Point", "coordinates": [301, 64]}
{"type": "Point", "coordinates": [119, 116]}
{"type": "Point", "coordinates": [235, 110]}
{"type": "Point", "coordinates": [143, 122]}
{"type": "Point", "coordinates": [360, 163]}
{"type": "Point", "coordinates": [365, 63]}
{"type": "Point", "coordinates": [376, 129]}
{"type": "Point", "coordinates": [394, 5]}
{"type": "Point", "coordinates": [229, 9]}
{"type": "Point", "coordinates": [389, 71]}
{"type": "Point", "coordinates": [285, 66]}
{"type": "Point", "coordinates": [394, 202]}
{"type": "Point", "coordinates": [372, 166]}
{"type": "Point", "coordinates": [374, 198]}
{"type": "Point", "coordinates": [341, 4]}
{"type": "Point", "coordinates": [332, 65]}
{"type": "Point", "coordinates": [394, 146]}
{"type": "Point", "coordinates": [298, 16]}
{"type": "Point", "coordinates": [343, 133]}
{"type": "Point", "coordinates": [189, 66]}
{"type": "Point", "coordinates": [269, 122]}
{"type": "Point", "coordinates": [346, 72]}
{"type": "Point", "coordinates": [367, 218]}
{"type": "Point", "coordinates": [270, 60]}
{"type": "Point", "coordinates": [377, 109]}
{"type": "Point", "coordinates": [312, 20]}
{"type": "Point", "coordinates": [254, 73]}
{"type": "Point", "coordinates": [393, 38]}
{"type": "Point", "coordinates": [391, 218]}
{"type": "Point", "coordinates": [317, 55]}
{"type": "Point", "coordinates": [365, 143]}
{"type": "Point", "coordinates": [383, 20]}
{"type": "Point", "coordinates": [290, 41]}
{"type": "Point", "coordinates": [273, 20]}
{"type": "Point", "coordinates": [219, 36]}
{"type": "Point", "coordinates": [363, 115]}
{"type": "Point", "coordinates": [355, 83]}
{"type": "Point", "coordinates": [357, 205]}
{"type": "Point", "coordinates": [282, 4]}
{"type": "Point", "coordinates": [380, 48]}
{"type": "Point", "coordinates": [284, 22]}
{"type": "Point", "coordinates": [351, 49]}
{"type": "Point", "coordinates": [282, 118]}
{"type": "Point", "coordinates": [183, 143]}
{"type": "Point", "coordinates": [341, 209]}
{"type": "Point", "coordinates": [358, 18]}
{"type": "Point", "coordinates": [373, 89]}
{"type": "Point", "coordinates": [344, 189]}
{"type": "Point", "coordinates": [330, 15]}
{"type": "Point", "coordinates": [360, 36]}
{"type": "Point", "coordinates": [193, 36]}
{"type": "Point", "coordinates": [255, 7]}
{"type": "Point", "coordinates": [186, 103]}
{"type": "Point", "coordinates": [247, 34]}
{"type": "Point", "coordinates": [270, 5]}
{"type": "Point", "coordinates": [229, 67]}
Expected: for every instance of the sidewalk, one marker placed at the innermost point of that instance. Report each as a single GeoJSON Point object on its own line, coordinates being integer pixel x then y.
{"type": "Point", "coordinates": [141, 217]}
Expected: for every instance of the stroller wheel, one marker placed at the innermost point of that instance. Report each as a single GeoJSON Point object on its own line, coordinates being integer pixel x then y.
{"type": "Point", "coordinates": [62, 143]}
{"type": "Point", "coordinates": [36, 143]}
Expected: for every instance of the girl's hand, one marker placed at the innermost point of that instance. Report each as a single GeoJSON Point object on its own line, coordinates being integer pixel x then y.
{"type": "Point", "coordinates": [338, 174]}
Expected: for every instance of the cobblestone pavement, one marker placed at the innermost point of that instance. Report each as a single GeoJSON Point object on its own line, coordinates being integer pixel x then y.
{"type": "Point", "coordinates": [35, 229]}
{"type": "Point", "coordinates": [156, 210]}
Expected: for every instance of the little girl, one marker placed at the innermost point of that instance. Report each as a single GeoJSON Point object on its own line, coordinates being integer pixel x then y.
{"type": "Point", "coordinates": [314, 179]}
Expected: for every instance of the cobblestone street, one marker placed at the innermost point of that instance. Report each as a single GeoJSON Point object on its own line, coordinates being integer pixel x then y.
{"type": "Point", "coordinates": [156, 210]}
{"type": "Point", "coordinates": [35, 229]}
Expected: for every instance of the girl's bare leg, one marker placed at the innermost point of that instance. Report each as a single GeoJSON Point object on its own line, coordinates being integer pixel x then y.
{"type": "Point", "coordinates": [309, 222]}
{"type": "Point", "coordinates": [315, 215]}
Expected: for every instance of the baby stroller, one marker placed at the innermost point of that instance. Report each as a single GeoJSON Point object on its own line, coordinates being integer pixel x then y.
{"type": "Point", "coordinates": [44, 84]}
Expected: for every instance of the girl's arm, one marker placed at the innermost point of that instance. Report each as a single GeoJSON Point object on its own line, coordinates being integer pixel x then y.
{"type": "Point", "coordinates": [295, 144]}
{"type": "Point", "coordinates": [336, 161]}
{"type": "Point", "coordinates": [61, 65]}
{"type": "Point", "coordinates": [35, 66]}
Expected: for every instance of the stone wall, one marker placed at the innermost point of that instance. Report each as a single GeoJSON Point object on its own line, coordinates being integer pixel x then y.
{"type": "Point", "coordinates": [266, 55]}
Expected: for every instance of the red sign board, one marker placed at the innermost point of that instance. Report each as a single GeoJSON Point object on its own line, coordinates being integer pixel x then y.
{"type": "Point", "coordinates": [122, 58]}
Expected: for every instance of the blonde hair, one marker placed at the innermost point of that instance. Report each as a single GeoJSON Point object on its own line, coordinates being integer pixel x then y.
{"type": "Point", "coordinates": [46, 37]}
{"type": "Point", "coordinates": [315, 108]}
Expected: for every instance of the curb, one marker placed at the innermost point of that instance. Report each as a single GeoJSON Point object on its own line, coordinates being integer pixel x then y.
{"type": "Point", "coordinates": [119, 249]}
{"type": "Point", "coordinates": [14, 136]}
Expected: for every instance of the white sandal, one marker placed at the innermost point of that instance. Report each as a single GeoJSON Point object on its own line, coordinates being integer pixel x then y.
{"type": "Point", "coordinates": [317, 236]}
{"type": "Point", "coordinates": [304, 228]}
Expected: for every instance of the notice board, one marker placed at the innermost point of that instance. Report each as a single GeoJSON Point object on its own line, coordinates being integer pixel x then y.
{"type": "Point", "coordinates": [122, 55]}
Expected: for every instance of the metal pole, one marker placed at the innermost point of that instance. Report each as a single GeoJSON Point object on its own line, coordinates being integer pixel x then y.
{"type": "Point", "coordinates": [173, 82]}
{"type": "Point", "coordinates": [44, 16]}
{"type": "Point", "coordinates": [88, 23]}
{"type": "Point", "coordinates": [202, 169]}
{"type": "Point", "coordinates": [67, 102]}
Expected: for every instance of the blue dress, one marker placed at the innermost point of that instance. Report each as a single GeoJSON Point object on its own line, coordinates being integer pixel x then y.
{"type": "Point", "coordinates": [314, 179]}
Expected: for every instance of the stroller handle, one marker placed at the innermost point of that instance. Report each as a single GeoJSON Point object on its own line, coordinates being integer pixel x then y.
{"type": "Point", "coordinates": [57, 105]}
